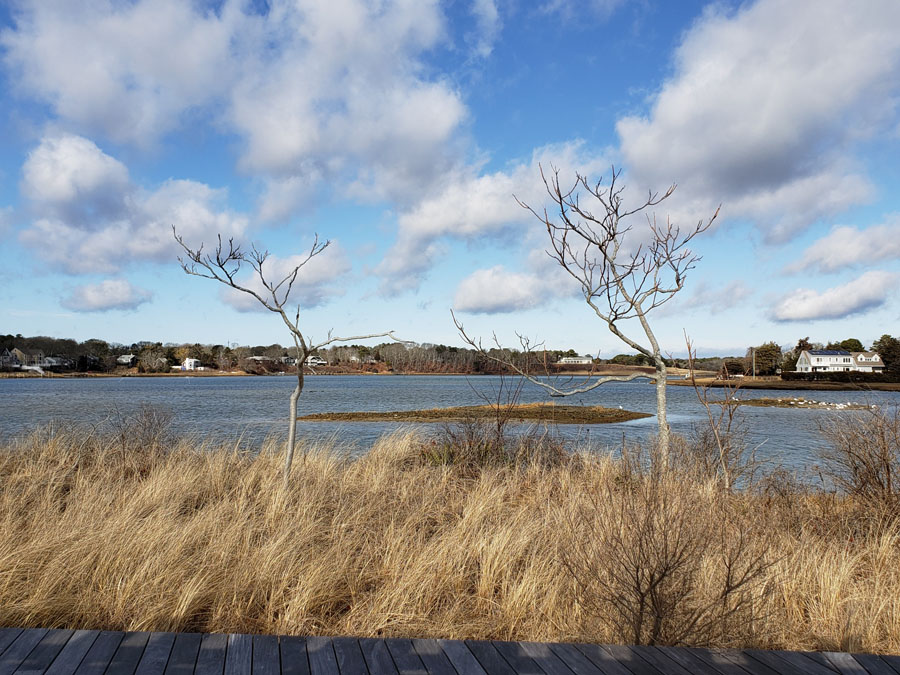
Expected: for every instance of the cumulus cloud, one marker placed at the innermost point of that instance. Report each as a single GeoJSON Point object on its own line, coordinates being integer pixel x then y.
{"type": "Point", "coordinates": [497, 290]}
{"type": "Point", "coordinates": [126, 70]}
{"type": "Point", "coordinates": [108, 295]}
{"type": "Point", "coordinates": [337, 91]}
{"type": "Point", "coordinates": [848, 246]}
{"type": "Point", "coordinates": [90, 217]}
{"type": "Point", "coordinates": [765, 108]}
{"type": "Point", "coordinates": [472, 205]}
{"type": "Point", "coordinates": [869, 291]}
{"type": "Point", "coordinates": [317, 282]}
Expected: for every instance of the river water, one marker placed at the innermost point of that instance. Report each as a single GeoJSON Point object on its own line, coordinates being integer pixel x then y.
{"type": "Point", "coordinates": [256, 407]}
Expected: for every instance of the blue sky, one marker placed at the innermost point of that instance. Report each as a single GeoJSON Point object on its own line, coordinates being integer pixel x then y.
{"type": "Point", "coordinates": [400, 131]}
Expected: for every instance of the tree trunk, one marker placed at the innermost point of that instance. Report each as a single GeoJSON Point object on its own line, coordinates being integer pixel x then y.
{"type": "Point", "coordinates": [661, 419]}
{"type": "Point", "coordinates": [292, 426]}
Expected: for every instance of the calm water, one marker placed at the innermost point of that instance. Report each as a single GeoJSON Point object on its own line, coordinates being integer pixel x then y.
{"type": "Point", "coordinates": [255, 407]}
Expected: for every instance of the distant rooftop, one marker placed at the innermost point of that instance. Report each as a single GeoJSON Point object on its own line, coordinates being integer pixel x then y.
{"type": "Point", "coordinates": [829, 352]}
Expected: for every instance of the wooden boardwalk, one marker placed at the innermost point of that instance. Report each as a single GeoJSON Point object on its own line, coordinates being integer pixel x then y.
{"type": "Point", "coordinates": [89, 652]}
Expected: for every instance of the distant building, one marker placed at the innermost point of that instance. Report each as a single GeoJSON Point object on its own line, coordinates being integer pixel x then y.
{"type": "Point", "coordinates": [126, 360]}
{"type": "Point", "coordinates": [576, 360]}
{"type": "Point", "coordinates": [838, 360]}
{"type": "Point", "coordinates": [314, 360]}
{"type": "Point", "coordinates": [191, 364]}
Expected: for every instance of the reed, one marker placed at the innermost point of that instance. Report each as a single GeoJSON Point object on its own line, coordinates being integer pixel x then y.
{"type": "Point", "coordinates": [112, 532]}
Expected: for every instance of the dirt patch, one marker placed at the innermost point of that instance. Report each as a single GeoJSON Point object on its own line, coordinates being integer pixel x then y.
{"type": "Point", "coordinates": [545, 412]}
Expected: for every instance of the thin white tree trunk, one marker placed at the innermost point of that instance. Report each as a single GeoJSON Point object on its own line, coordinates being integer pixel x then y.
{"type": "Point", "coordinates": [661, 419]}
{"type": "Point", "coordinates": [292, 426]}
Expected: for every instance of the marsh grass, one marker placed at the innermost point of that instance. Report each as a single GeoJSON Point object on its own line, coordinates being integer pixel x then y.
{"type": "Point", "coordinates": [184, 536]}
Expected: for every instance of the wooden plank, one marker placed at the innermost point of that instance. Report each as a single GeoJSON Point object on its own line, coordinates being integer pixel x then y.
{"type": "Point", "coordinates": [433, 657]}
{"type": "Point", "coordinates": [349, 656]}
{"type": "Point", "coordinates": [577, 662]}
{"type": "Point", "coordinates": [603, 659]}
{"type": "Point", "coordinates": [322, 660]}
{"type": "Point", "coordinates": [44, 652]}
{"type": "Point", "coordinates": [543, 656]}
{"type": "Point", "coordinates": [211, 656]}
{"type": "Point", "coordinates": [19, 649]}
{"type": "Point", "coordinates": [183, 658]}
{"type": "Point", "coordinates": [628, 657]}
{"type": "Point", "coordinates": [405, 658]}
{"type": "Point", "coordinates": [266, 656]}
{"type": "Point", "coordinates": [892, 660]}
{"type": "Point", "coordinates": [462, 659]}
{"type": "Point", "coordinates": [489, 658]}
{"type": "Point", "coordinates": [377, 657]}
{"type": "Point", "coordinates": [238, 654]}
{"type": "Point", "coordinates": [725, 657]}
{"type": "Point", "coordinates": [156, 654]}
{"type": "Point", "coordinates": [128, 654]}
{"type": "Point", "coordinates": [7, 636]}
{"type": "Point", "coordinates": [516, 656]}
{"type": "Point", "coordinates": [70, 657]}
{"type": "Point", "coordinates": [100, 654]}
{"type": "Point", "coordinates": [660, 661]}
{"type": "Point", "coordinates": [819, 658]}
{"type": "Point", "coordinates": [694, 664]}
{"type": "Point", "coordinates": [843, 662]}
{"type": "Point", "coordinates": [874, 664]}
{"type": "Point", "coordinates": [294, 660]}
{"type": "Point", "coordinates": [789, 663]}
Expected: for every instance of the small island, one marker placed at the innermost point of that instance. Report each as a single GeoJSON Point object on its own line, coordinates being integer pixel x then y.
{"type": "Point", "coordinates": [543, 412]}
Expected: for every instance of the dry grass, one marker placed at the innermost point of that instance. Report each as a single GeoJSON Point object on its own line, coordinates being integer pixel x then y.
{"type": "Point", "coordinates": [100, 533]}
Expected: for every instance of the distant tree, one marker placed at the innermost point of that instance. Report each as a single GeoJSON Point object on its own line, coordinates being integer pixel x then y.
{"type": "Point", "coordinates": [767, 359]}
{"type": "Point", "coordinates": [852, 345]}
{"type": "Point", "coordinates": [732, 367]}
{"type": "Point", "coordinates": [225, 264]}
{"type": "Point", "coordinates": [888, 348]}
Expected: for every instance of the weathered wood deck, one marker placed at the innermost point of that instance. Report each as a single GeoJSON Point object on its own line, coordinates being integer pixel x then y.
{"type": "Point", "coordinates": [89, 652]}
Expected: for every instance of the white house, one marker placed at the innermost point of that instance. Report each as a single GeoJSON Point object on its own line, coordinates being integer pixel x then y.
{"type": "Point", "coordinates": [576, 360]}
{"type": "Point", "coordinates": [315, 360]}
{"type": "Point", "coordinates": [191, 364]}
{"type": "Point", "coordinates": [838, 360]}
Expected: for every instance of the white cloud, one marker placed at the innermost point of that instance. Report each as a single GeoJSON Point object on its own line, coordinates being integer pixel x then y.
{"type": "Point", "coordinates": [318, 280]}
{"type": "Point", "coordinates": [90, 218]}
{"type": "Point", "coordinates": [766, 107]}
{"type": "Point", "coordinates": [488, 24]}
{"type": "Point", "coordinates": [112, 294]}
{"type": "Point", "coordinates": [848, 246]}
{"type": "Point", "coordinates": [869, 291]}
{"type": "Point", "coordinates": [497, 290]}
{"type": "Point", "coordinates": [127, 70]}
{"type": "Point", "coordinates": [471, 206]}
{"type": "Point", "coordinates": [338, 91]}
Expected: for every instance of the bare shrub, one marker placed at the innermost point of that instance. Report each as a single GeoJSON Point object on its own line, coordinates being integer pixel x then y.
{"type": "Point", "coordinates": [862, 457]}
{"type": "Point", "coordinates": [477, 443]}
{"type": "Point", "coordinates": [666, 561]}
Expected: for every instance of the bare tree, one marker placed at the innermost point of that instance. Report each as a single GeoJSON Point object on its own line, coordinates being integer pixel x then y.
{"type": "Point", "coordinates": [622, 281]}
{"type": "Point", "coordinates": [225, 264]}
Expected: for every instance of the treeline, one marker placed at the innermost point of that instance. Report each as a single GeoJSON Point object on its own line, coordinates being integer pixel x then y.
{"type": "Point", "coordinates": [101, 356]}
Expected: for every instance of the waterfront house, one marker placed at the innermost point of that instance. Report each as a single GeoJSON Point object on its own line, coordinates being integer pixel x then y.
{"type": "Point", "coordinates": [126, 360]}
{"type": "Point", "coordinates": [838, 360]}
{"type": "Point", "coordinates": [576, 360]}
{"type": "Point", "coordinates": [191, 364]}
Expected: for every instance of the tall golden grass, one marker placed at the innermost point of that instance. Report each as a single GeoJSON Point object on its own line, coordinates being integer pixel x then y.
{"type": "Point", "coordinates": [100, 533]}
